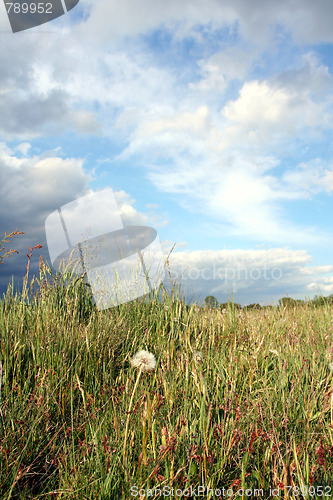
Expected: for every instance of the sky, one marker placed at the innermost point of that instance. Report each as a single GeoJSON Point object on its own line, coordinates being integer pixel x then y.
{"type": "Point", "coordinates": [211, 121]}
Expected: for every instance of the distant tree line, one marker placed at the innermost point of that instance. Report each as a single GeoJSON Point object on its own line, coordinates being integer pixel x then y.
{"type": "Point", "coordinates": [318, 300]}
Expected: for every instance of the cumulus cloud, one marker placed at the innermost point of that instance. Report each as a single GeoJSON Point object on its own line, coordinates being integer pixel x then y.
{"type": "Point", "coordinates": [307, 22]}
{"type": "Point", "coordinates": [248, 273]}
{"type": "Point", "coordinates": [308, 179]}
{"type": "Point", "coordinates": [132, 217]}
{"type": "Point", "coordinates": [109, 21]}
{"type": "Point", "coordinates": [31, 188]}
{"type": "Point", "coordinates": [32, 101]}
{"type": "Point", "coordinates": [193, 123]}
{"type": "Point", "coordinates": [324, 285]}
{"type": "Point", "coordinates": [222, 67]}
{"type": "Point", "coordinates": [264, 111]}
{"type": "Point", "coordinates": [44, 91]}
{"type": "Point", "coordinates": [246, 188]}
{"type": "Point", "coordinates": [203, 125]}
{"type": "Point", "coordinates": [29, 118]}
{"type": "Point", "coordinates": [311, 77]}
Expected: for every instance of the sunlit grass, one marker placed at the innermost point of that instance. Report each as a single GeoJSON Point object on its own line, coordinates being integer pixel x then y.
{"type": "Point", "coordinates": [234, 401]}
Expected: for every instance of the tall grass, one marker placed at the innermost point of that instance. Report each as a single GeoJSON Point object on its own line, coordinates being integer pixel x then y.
{"type": "Point", "coordinates": [252, 411]}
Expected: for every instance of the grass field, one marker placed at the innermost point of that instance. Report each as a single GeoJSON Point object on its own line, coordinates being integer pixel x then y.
{"type": "Point", "coordinates": [240, 400]}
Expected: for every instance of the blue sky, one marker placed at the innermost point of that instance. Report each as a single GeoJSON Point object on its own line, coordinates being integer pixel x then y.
{"type": "Point", "coordinates": [211, 121]}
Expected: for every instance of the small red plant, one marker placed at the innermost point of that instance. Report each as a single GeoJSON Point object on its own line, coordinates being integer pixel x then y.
{"type": "Point", "coordinates": [4, 240]}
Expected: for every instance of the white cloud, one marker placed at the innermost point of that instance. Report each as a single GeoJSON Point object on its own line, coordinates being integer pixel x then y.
{"type": "Point", "coordinates": [23, 148]}
{"type": "Point", "coordinates": [193, 123]}
{"type": "Point", "coordinates": [34, 186]}
{"type": "Point", "coordinates": [128, 80]}
{"type": "Point", "coordinates": [31, 117]}
{"type": "Point", "coordinates": [308, 179]}
{"type": "Point", "coordinates": [248, 273]}
{"type": "Point", "coordinates": [324, 285]}
{"type": "Point", "coordinates": [129, 215]}
{"type": "Point", "coordinates": [246, 195]}
{"type": "Point", "coordinates": [109, 21]}
{"type": "Point", "coordinates": [308, 22]}
{"type": "Point", "coordinates": [311, 78]}
{"type": "Point", "coordinates": [31, 186]}
{"type": "Point", "coordinates": [132, 217]}
{"type": "Point", "coordinates": [222, 67]}
{"type": "Point", "coordinates": [105, 75]}
{"type": "Point", "coordinates": [242, 188]}
{"type": "Point", "coordinates": [263, 111]}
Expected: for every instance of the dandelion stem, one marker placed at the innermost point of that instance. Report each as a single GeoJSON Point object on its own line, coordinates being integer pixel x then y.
{"type": "Point", "coordinates": [129, 414]}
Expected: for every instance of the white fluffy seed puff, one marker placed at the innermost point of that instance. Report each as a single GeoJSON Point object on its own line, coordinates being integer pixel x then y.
{"type": "Point", "coordinates": [144, 360]}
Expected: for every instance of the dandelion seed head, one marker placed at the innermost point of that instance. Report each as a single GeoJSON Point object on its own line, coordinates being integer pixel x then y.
{"type": "Point", "coordinates": [198, 356]}
{"type": "Point", "coordinates": [144, 360]}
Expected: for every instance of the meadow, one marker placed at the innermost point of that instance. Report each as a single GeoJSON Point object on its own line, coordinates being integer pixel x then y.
{"type": "Point", "coordinates": [238, 403]}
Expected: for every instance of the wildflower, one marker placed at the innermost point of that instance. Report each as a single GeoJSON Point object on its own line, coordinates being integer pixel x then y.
{"type": "Point", "coordinates": [198, 356]}
{"type": "Point", "coordinates": [224, 311]}
{"type": "Point", "coordinates": [145, 360]}
{"type": "Point", "coordinates": [330, 367]}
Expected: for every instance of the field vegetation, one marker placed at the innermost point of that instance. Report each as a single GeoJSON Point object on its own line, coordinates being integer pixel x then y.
{"type": "Point", "coordinates": [237, 399]}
